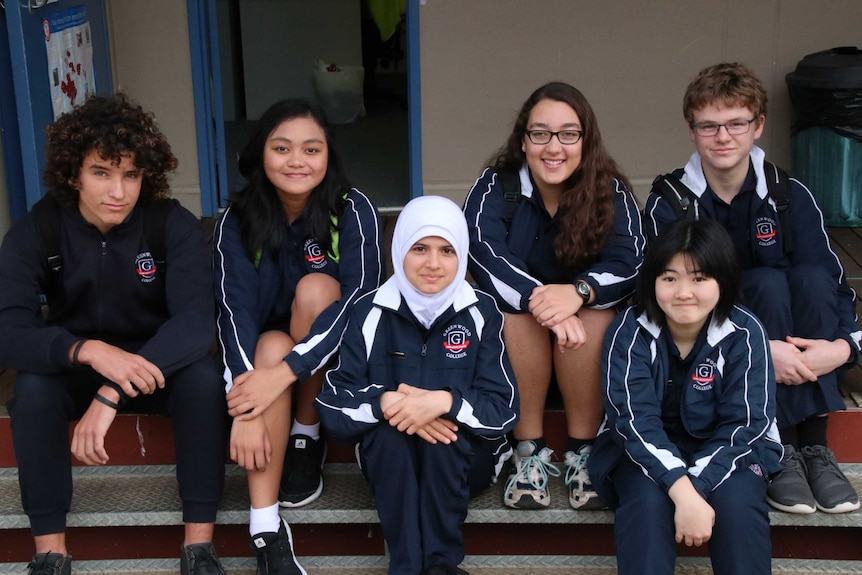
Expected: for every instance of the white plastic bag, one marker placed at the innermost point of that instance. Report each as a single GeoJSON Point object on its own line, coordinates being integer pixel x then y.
{"type": "Point", "coordinates": [339, 91]}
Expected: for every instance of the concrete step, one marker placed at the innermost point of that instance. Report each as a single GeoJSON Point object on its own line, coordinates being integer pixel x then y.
{"type": "Point", "coordinates": [475, 565]}
{"type": "Point", "coordinates": [148, 439]}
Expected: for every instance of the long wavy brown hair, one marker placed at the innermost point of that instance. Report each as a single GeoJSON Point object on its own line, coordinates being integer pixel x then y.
{"type": "Point", "coordinates": [114, 127]}
{"type": "Point", "coordinates": [586, 209]}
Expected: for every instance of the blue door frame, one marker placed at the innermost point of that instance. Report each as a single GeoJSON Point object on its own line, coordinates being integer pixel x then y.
{"type": "Point", "coordinates": [209, 114]}
{"type": "Point", "coordinates": [26, 91]}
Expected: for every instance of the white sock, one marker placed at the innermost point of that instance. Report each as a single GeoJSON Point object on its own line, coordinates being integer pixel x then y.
{"type": "Point", "coordinates": [312, 431]}
{"type": "Point", "coordinates": [264, 520]}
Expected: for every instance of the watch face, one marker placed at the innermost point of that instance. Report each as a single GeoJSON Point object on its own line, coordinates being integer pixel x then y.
{"type": "Point", "coordinates": [584, 290]}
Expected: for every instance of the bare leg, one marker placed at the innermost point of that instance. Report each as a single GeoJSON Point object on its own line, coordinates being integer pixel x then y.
{"type": "Point", "coordinates": [529, 347]}
{"type": "Point", "coordinates": [579, 376]}
{"type": "Point", "coordinates": [198, 533]}
{"type": "Point", "coordinates": [314, 293]}
{"type": "Point", "coordinates": [271, 348]}
{"type": "Point", "coordinates": [51, 543]}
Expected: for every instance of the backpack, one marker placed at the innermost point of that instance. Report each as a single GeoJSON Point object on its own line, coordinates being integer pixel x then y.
{"type": "Point", "coordinates": [680, 197]}
{"type": "Point", "coordinates": [48, 223]}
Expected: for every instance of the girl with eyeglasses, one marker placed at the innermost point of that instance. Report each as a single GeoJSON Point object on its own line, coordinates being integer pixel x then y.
{"type": "Point", "coordinates": [555, 237]}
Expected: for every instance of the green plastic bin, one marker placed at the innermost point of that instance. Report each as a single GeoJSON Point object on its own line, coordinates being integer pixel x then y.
{"type": "Point", "coordinates": [826, 91]}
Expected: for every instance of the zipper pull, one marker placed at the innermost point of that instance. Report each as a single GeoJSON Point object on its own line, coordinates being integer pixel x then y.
{"type": "Point", "coordinates": [424, 349]}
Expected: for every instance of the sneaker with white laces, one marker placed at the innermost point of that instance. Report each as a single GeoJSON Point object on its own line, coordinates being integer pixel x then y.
{"type": "Point", "coordinates": [50, 564]}
{"type": "Point", "coordinates": [581, 493]}
{"type": "Point", "coordinates": [789, 490]}
{"type": "Point", "coordinates": [200, 559]}
{"type": "Point", "coordinates": [528, 480]}
{"type": "Point", "coordinates": [274, 552]}
{"type": "Point", "coordinates": [302, 478]}
{"type": "Point", "coordinates": [832, 491]}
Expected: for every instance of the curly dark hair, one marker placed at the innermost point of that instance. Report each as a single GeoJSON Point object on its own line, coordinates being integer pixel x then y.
{"type": "Point", "coordinates": [587, 204]}
{"type": "Point", "coordinates": [262, 217]}
{"type": "Point", "coordinates": [114, 127]}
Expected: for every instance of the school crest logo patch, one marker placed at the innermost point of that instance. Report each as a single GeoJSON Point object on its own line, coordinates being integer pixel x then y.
{"type": "Point", "coordinates": [766, 232]}
{"type": "Point", "coordinates": [456, 340]}
{"type": "Point", "coordinates": [145, 267]}
{"type": "Point", "coordinates": [313, 255]}
{"type": "Point", "coordinates": [704, 376]}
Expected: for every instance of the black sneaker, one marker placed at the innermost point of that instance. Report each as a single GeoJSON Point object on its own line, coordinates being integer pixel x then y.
{"type": "Point", "coordinates": [274, 553]}
{"type": "Point", "coordinates": [789, 491]}
{"type": "Point", "coordinates": [50, 564]}
{"type": "Point", "coordinates": [830, 486]}
{"type": "Point", "coordinates": [200, 559]}
{"type": "Point", "coordinates": [302, 478]}
{"type": "Point", "coordinates": [445, 569]}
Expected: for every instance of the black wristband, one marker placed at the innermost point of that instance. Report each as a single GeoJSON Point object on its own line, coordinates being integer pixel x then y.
{"type": "Point", "coordinates": [78, 345]}
{"type": "Point", "coordinates": [102, 399]}
{"type": "Point", "coordinates": [116, 387]}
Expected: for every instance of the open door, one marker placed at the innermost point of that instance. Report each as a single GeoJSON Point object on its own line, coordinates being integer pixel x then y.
{"type": "Point", "coordinates": [40, 76]}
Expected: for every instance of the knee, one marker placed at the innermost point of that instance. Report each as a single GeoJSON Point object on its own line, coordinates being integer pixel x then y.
{"type": "Point", "coordinates": [808, 279]}
{"type": "Point", "coordinates": [765, 289]}
{"type": "Point", "coordinates": [199, 383]}
{"type": "Point", "coordinates": [314, 293]}
{"type": "Point", "coordinates": [37, 396]}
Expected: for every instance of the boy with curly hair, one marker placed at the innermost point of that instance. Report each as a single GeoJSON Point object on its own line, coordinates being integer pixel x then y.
{"type": "Point", "coordinates": [121, 329]}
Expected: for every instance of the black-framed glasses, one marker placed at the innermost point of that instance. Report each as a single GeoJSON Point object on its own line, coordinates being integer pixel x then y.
{"type": "Point", "coordinates": [565, 137]}
{"type": "Point", "coordinates": [733, 127]}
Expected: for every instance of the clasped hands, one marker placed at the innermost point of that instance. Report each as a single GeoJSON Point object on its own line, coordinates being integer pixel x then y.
{"type": "Point", "coordinates": [417, 411]}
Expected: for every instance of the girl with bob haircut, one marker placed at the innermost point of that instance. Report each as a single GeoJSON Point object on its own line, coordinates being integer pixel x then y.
{"type": "Point", "coordinates": [293, 251]}
{"type": "Point", "coordinates": [423, 384]}
{"type": "Point", "coordinates": [555, 237]}
{"type": "Point", "coordinates": [690, 439]}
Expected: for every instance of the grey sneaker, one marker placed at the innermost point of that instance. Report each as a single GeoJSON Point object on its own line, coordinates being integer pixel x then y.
{"type": "Point", "coordinates": [274, 553]}
{"type": "Point", "coordinates": [832, 491]}
{"type": "Point", "coordinates": [50, 564]}
{"type": "Point", "coordinates": [581, 492]}
{"type": "Point", "coordinates": [200, 559]}
{"type": "Point", "coordinates": [302, 478]}
{"type": "Point", "coordinates": [528, 480]}
{"type": "Point", "coordinates": [789, 491]}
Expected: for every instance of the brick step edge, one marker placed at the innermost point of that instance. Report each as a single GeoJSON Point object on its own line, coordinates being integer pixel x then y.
{"type": "Point", "coordinates": [148, 439]}
{"type": "Point", "coordinates": [125, 496]}
{"type": "Point", "coordinates": [476, 565]}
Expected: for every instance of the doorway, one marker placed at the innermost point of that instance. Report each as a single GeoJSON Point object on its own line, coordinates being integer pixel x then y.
{"type": "Point", "coordinates": [272, 49]}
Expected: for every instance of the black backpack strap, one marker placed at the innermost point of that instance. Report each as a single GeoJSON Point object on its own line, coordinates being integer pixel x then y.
{"type": "Point", "coordinates": [511, 183]}
{"type": "Point", "coordinates": [677, 194]}
{"type": "Point", "coordinates": [778, 188]}
{"type": "Point", "coordinates": [155, 214]}
{"type": "Point", "coordinates": [46, 219]}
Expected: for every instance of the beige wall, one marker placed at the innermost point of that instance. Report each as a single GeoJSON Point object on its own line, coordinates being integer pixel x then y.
{"type": "Point", "coordinates": [480, 59]}
{"type": "Point", "coordinates": [151, 62]}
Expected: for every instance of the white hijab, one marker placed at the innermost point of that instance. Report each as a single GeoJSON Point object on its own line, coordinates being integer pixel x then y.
{"type": "Point", "coordinates": [423, 217]}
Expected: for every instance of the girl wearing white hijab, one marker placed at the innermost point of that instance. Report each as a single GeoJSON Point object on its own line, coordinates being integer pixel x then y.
{"type": "Point", "coordinates": [424, 386]}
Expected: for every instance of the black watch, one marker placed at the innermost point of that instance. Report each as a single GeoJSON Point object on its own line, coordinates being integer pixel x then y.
{"type": "Point", "coordinates": [584, 290]}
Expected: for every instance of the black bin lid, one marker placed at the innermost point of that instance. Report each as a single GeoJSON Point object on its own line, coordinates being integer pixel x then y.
{"type": "Point", "coordinates": [835, 69]}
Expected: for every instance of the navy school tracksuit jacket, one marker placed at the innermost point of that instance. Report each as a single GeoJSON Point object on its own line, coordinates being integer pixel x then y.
{"type": "Point", "coordinates": [509, 261]}
{"type": "Point", "coordinates": [462, 352]}
{"type": "Point", "coordinates": [727, 404]}
{"type": "Point", "coordinates": [760, 239]}
{"type": "Point", "coordinates": [111, 291]}
{"type": "Point", "coordinates": [253, 297]}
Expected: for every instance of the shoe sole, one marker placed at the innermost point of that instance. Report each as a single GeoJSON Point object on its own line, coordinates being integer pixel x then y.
{"type": "Point", "coordinates": [306, 501]}
{"type": "Point", "coordinates": [527, 502]}
{"type": "Point", "coordinates": [845, 507]}
{"type": "Point", "coordinates": [798, 508]}
{"type": "Point", "coordinates": [591, 504]}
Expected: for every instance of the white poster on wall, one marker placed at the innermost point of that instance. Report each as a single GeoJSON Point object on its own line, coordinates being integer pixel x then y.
{"type": "Point", "coordinates": [70, 58]}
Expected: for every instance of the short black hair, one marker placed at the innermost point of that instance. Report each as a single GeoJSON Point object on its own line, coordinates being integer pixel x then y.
{"type": "Point", "coordinates": [707, 244]}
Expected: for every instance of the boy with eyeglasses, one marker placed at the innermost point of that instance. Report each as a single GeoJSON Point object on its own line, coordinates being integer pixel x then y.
{"type": "Point", "coordinates": [800, 294]}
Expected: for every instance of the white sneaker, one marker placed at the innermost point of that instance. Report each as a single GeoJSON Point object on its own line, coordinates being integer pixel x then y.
{"type": "Point", "coordinates": [528, 480]}
{"type": "Point", "coordinates": [581, 493]}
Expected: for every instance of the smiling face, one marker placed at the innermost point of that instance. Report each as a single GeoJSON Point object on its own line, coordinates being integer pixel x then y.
{"type": "Point", "coordinates": [295, 159]}
{"type": "Point", "coordinates": [552, 164]}
{"type": "Point", "coordinates": [107, 193]}
{"type": "Point", "coordinates": [685, 295]}
{"type": "Point", "coordinates": [724, 154]}
{"type": "Point", "coordinates": [431, 264]}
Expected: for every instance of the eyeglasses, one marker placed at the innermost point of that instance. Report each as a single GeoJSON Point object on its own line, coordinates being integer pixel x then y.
{"type": "Point", "coordinates": [733, 127]}
{"type": "Point", "coordinates": [565, 137]}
